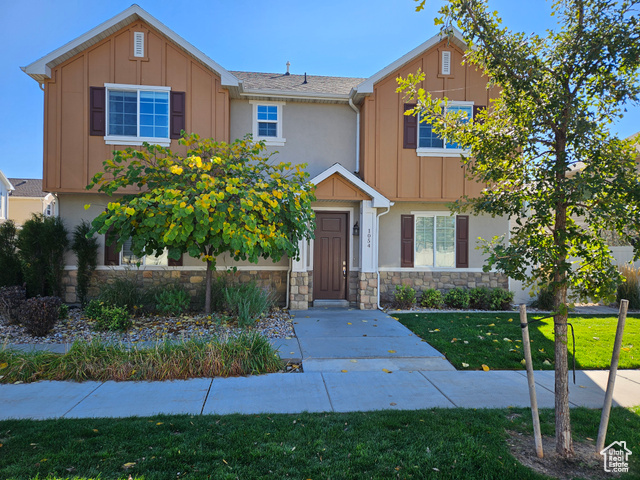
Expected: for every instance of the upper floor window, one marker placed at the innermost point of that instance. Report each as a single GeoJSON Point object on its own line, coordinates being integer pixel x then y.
{"type": "Point", "coordinates": [137, 113]}
{"type": "Point", "coordinates": [431, 144]}
{"type": "Point", "coordinates": [267, 122]}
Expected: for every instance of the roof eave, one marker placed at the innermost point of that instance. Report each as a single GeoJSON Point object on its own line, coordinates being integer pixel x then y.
{"type": "Point", "coordinates": [6, 181]}
{"type": "Point", "coordinates": [338, 97]}
{"type": "Point", "coordinates": [40, 70]}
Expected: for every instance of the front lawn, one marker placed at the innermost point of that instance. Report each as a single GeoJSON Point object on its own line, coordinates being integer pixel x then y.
{"type": "Point", "coordinates": [470, 340]}
{"type": "Point", "coordinates": [439, 443]}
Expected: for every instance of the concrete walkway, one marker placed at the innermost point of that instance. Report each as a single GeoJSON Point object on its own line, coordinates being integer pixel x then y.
{"type": "Point", "coordinates": [353, 360]}
{"type": "Point", "coordinates": [312, 392]}
{"type": "Point", "coordinates": [334, 340]}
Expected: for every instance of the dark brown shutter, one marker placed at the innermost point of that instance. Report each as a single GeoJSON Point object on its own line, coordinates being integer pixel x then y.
{"type": "Point", "coordinates": [178, 101]}
{"type": "Point", "coordinates": [410, 128]}
{"type": "Point", "coordinates": [97, 103]}
{"type": "Point", "coordinates": [406, 249]}
{"type": "Point", "coordinates": [175, 263]}
{"type": "Point", "coordinates": [477, 109]}
{"type": "Point", "coordinates": [462, 241]}
{"type": "Point", "coordinates": [111, 254]}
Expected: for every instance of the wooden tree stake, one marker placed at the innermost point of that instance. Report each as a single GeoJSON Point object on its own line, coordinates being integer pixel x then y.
{"type": "Point", "coordinates": [526, 343]}
{"type": "Point", "coordinates": [613, 371]}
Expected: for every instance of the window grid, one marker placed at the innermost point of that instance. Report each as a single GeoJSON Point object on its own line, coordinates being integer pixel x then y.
{"type": "Point", "coordinates": [267, 120]}
{"type": "Point", "coordinates": [435, 241]}
{"type": "Point", "coordinates": [127, 257]}
{"type": "Point", "coordinates": [427, 138]}
{"type": "Point", "coordinates": [140, 113]}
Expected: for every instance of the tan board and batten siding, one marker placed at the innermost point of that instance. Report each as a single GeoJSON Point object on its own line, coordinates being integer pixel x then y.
{"type": "Point", "coordinates": [71, 155]}
{"type": "Point", "coordinates": [399, 173]}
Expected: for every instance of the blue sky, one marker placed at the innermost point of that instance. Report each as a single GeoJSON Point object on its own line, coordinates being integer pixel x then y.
{"type": "Point", "coordinates": [328, 37]}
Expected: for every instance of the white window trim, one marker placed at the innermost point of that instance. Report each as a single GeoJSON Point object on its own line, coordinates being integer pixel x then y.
{"type": "Point", "coordinates": [128, 139]}
{"type": "Point", "coordinates": [443, 152]}
{"type": "Point", "coordinates": [435, 213]}
{"type": "Point", "coordinates": [277, 141]}
{"type": "Point", "coordinates": [143, 260]}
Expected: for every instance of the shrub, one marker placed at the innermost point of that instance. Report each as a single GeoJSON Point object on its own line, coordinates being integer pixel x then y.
{"type": "Point", "coordinates": [124, 293]}
{"type": "Point", "coordinates": [247, 302]}
{"type": "Point", "coordinates": [480, 298]}
{"type": "Point", "coordinates": [113, 318]}
{"type": "Point", "coordinates": [39, 315]}
{"type": "Point", "coordinates": [11, 298]}
{"type": "Point", "coordinates": [42, 242]}
{"type": "Point", "coordinates": [431, 298]}
{"type": "Point", "coordinates": [93, 308]}
{"type": "Point", "coordinates": [630, 289]}
{"type": "Point", "coordinates": [500, 299]}
{"type": "Point", "coordinates": [404, 297]}
{"type": "Point", "coordinates": [86, 250]}
{"type": "Point", "coordinates": [457, 298]}
{"type": "Point", "coordinates": [544, 300]}
{"type": "Point", "coordinates": [63, 312]}
{"type": "Point", "coordinates": [10, 269]}
{"type": "Point", "coordinates": [172, 301]}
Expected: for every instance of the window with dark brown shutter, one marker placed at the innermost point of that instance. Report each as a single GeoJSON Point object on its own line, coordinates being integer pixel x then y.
{"type": "Point", "coordinates": [111, 254]}
{"type": "Point", "coordinates": [477, 109]}
{"type": "Point", "coordinates": [97, 103]}
{"type": "Point", "coordinates": [175, 263]}
{"type": "Point", "coordinates": [406, 235]}
{"type": "Point", "coordinates": [178, 102]}
{"type": "Point", "coordinates": [462, 241]}
{"type": "Point", "coordinates": [410, 128]}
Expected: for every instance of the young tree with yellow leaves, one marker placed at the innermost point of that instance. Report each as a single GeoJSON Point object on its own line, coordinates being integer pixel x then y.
{"type": "Point", "coordinates": [219, 198]}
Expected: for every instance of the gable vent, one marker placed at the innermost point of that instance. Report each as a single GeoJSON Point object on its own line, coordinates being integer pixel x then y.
{"type": "Point", "coordinates": [138, 44]}
{"type": "Point", "coordinates": [446, 63]}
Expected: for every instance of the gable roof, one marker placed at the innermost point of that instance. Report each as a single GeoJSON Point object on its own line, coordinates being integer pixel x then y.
{"type": "Point", "coordinates": [41, 69]}
{"type": "Point", "coordinates": [367, 86]}
{"type": "Point", "coordinates": [27, 187]}
{"type": "Point", "coordinates": [288, 84]}
{"type": "Point", "coordinates": [378, 200]}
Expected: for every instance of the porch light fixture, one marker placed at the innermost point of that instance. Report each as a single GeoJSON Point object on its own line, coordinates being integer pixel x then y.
{"type": "Point", "coordinates": [356, 229]}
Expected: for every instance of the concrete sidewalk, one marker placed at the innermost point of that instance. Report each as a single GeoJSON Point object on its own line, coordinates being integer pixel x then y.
{"type": "Point", "coordinates": [311, 392]}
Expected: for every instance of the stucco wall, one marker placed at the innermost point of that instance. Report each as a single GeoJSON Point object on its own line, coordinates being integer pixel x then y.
{"type": "Point", "coordinates": [317, 134]}
{"type": "Point", "coordinates": [21, 208]}
{"type": "Point", "coordinates": [483, 226]}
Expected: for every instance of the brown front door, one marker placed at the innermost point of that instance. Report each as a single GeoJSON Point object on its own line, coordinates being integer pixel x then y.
{"type": "Point", "coordinates": [330, 256]}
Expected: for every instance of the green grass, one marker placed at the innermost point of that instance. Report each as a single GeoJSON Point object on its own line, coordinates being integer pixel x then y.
{"type": "Point", "coordinates": [246, 354]}
{"type": "Point", "coordinates": [495, 339]}
{"type": "Point", "coordinates": [459, 443]}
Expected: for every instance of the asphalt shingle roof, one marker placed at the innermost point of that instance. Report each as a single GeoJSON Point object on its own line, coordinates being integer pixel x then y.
{"type": "Point", "coordinates": [295, 83]}
{"type": "Point", "coordinates": [27, 187]}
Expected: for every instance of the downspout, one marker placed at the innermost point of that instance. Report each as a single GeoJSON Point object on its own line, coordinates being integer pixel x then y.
{"type": "Point", "coordinates": [378, 249]}
{"type": "Point", "coordinates": [357, 110]}
{"type": "Point", "coordinates": [286, 304]}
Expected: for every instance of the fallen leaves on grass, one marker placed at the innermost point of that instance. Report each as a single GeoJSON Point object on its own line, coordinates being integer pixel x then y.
{"type": "Point", "coordinates": [485, 368]}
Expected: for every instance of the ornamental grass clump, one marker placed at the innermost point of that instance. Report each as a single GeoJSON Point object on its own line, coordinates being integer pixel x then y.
{"type": "Point", "coordinates": [630, 289]}
{"type": "Point", "coordinates": [124, 293]}
{"type": "Point", "coordinates": [245, 354]}
{"type": "Point", "coordinates": [247, 302]}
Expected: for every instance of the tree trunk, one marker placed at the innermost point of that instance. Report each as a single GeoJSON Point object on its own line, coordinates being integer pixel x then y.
{"type": "Point", "coordinates": [564, 443]}
{"type": "Point", "coordinates": [207, 287]}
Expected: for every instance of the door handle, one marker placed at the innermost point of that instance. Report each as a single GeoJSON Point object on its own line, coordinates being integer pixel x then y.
{"type": "Point", "coordinates": [344, 269]}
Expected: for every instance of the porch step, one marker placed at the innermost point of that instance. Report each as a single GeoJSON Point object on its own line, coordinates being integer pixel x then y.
{"type": "Point", "coordinates": [331, 303]}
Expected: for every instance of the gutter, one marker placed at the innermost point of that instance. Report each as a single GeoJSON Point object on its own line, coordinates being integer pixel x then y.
{"type": "Point", "coordinates": [357, 110]}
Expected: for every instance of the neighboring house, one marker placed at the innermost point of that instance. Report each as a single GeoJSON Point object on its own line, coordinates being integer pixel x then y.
{"type": "Point", "coordinates": [5, 189]}
{"type": "Point", "coordinates": [28, 198]}
{"type": "Point", "coordinates": [382, 178]}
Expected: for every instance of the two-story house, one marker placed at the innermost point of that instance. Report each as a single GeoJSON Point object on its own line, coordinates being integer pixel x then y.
{"type": "Point", "coordinates": [382, 178]}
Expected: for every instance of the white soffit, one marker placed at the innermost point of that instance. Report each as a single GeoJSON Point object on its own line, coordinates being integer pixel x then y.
{"type": "Point", "coordinates": [367, 86]}
{"type": "Point", "coordinates": [6, 181]}
{"type": "Point", "coordinates": [41, 69]}
{"type": "Point", "coordinates": [378, 201]}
